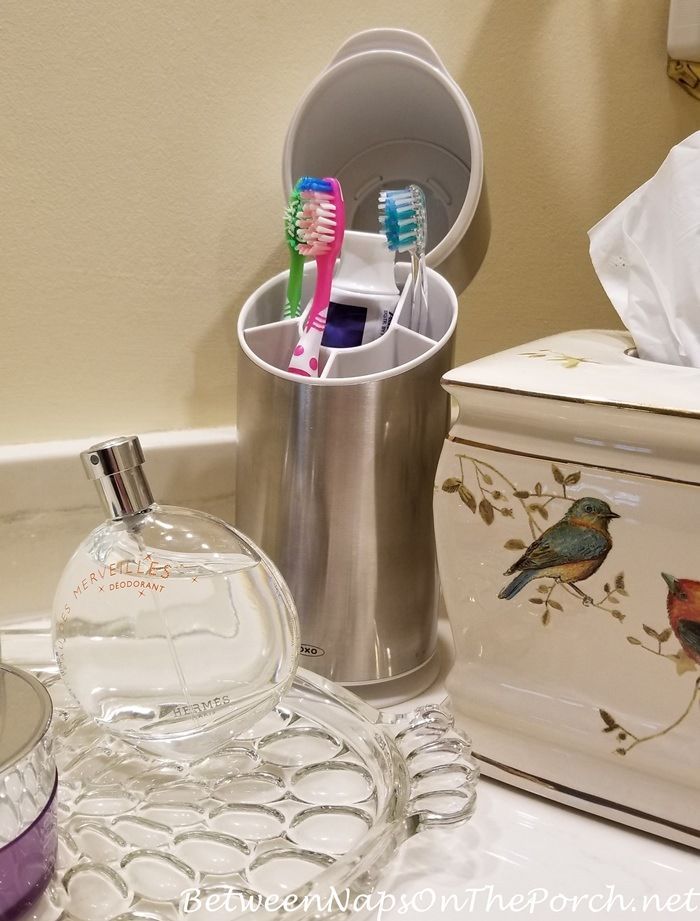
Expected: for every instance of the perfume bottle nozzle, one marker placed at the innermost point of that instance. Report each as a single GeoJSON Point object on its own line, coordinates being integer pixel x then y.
{"type": "Point", "coordinates": [113, 456]}
{"type": "Point", "coordinates": [116, 467]}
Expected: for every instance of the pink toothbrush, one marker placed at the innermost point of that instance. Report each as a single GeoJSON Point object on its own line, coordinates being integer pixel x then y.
{"type": "Point", "coordinates": [321, 228]}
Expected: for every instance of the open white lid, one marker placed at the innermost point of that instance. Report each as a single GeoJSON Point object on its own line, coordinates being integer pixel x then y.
{"type": "Point", "coordinates": [385, 113]}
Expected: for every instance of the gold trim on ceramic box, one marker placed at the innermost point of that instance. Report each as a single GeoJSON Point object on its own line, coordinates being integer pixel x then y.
{"type": "Point", "coordinates": [456, 439]}
{"type": "Point", "coordinates": [656, 410]}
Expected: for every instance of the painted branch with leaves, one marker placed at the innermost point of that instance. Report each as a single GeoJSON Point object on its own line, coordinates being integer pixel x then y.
{"type": "Point", "coordinates": [567, 361]}
{"type": "Point", "coordinates": [626, 735]}
{"type": "Point", "coordinates": [683, 663]}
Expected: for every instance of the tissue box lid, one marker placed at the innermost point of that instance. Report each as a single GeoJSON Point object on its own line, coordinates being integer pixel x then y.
{"type": "Point", "coordinates": [585, 366]}
{"type": "Point", "coordinates": [583, 395]}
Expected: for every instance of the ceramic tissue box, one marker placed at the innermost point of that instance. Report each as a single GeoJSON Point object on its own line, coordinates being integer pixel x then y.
{"type": "Point", "coordinates": [566, 513]}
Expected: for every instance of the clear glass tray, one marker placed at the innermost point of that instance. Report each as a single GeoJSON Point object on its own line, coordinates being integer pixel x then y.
{"type": "Point", "coordinates": [307, 807]}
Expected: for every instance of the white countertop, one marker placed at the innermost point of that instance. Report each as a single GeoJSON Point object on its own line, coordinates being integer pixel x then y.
{"type": "Point", "coordinates": [523, 856]}
{"type": "Point", "coordinates": [537, 854]}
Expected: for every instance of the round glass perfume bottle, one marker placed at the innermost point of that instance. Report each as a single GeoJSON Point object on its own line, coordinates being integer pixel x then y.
{"type": "Point", "coordinates": [171, 628]}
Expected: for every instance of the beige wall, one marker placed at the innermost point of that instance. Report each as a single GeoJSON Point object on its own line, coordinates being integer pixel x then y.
{"type": "Point", "coordinates": [140, 189]}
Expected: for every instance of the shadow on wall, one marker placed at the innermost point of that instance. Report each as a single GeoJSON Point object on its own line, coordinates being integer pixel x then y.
{"type": "Point", "coordinates": [573, 122]}
{"type": "Point", "coordinates": [238, 272]}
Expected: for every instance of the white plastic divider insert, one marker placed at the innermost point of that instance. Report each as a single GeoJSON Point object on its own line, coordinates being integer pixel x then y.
{"type": "Point", "coordinates": [398, 346]}
{"type": "Point", "coordinates": [273, 343]}
{"type": "Point", "coordinates": [266, 308]}
{"type": "Point", "coordinates": [273, 339]}
{"type": "Point", "coordinates": [439, 314]}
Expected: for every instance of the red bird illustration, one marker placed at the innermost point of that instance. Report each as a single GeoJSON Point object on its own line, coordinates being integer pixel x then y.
{"type": "Point", "coordinates": [683, 605]}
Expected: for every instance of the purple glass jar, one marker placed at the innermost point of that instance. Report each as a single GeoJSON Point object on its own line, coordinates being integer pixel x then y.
{"type": "Point", "coordinates": [28, 832]}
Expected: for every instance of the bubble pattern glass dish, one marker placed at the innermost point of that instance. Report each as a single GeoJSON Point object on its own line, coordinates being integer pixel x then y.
{"type": "Point", "coordinates": [314, 799]}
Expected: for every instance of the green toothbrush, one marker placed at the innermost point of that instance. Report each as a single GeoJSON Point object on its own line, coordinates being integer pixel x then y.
{"type": "Point", "coordinates": [296, 262]}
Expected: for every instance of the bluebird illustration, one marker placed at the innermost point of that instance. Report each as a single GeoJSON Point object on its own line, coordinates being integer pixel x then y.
{"type": "Point", "coordinates": [683, 604]}
{"type": "Point", "coordinates": [569, 551]}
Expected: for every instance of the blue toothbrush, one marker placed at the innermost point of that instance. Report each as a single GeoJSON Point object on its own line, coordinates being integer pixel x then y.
{"type": "Point", "coordinates": [402, 219]}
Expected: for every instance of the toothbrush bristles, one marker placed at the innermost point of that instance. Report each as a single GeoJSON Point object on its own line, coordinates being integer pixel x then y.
{"type": "Point", "coordinates": [402, 218]}
{"type": "Point", "coordinates": [316, 221]}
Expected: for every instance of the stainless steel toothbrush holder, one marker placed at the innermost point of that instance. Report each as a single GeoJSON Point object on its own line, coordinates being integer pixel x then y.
{"type": "Point", "coordinates": [335, 480]}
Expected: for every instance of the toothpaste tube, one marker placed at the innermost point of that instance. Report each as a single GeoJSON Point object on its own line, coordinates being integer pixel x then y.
{"type": "Point", "coordinates": [364, 293]}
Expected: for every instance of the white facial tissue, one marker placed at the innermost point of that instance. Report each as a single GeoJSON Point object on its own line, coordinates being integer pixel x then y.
{"type": "Point", "coordinates": [646, 253]}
